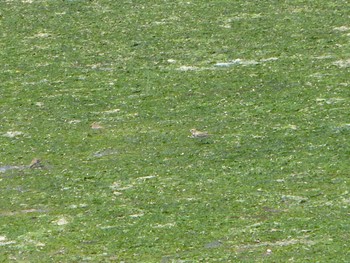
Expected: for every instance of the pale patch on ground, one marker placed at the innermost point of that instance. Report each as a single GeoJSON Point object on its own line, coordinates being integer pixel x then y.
{"type": "Point", "coordinates": [329, 100]}
{"type": "Point", "coordinates": [39, 104]}
{"type": "Point", "coordinates": [319, 75]}
{"type": "Point", "coordinates": [12, 134]}
{"type": "Point", "coordinates": [24, 211]}
{"type": "Point", "coordinates": [346, 200]}
{"type": "Point", "coordinates": [342, 63]}
{"type": "Point", "coordinates": [235, 62]}
{"type": "Point", "coordinates": [60, 13]}
{"type": "Point", "coordinates": [190, 199]}
{"type": "Point", "coordinates": [78, 206]}
{"type": "Point", "coordinates": [136, 215]}
{"type": "Point", "coordinates": [96, 126]}
{"type": "Point", "coordinates": [268, 59]}
{"type": "Point", "coordinates": [159, 22]}
{"type": "Point", "coordinates": [31, 242]}
{"type": "Point", "coordinates": [280, 243]}
{"type": "Point", "coordinates": [4, 241]}
{"type": "Point", "coordinates": [112, 111]}
{"type": "Point", "coordinates": [105, 152]}
{"type": "Point", "coordinates": [244, 62]}
{"type": "Point", "coordinates": [286, 127]}
{"type": "Point", "coordinates": [41, 35]}
{"type": "Point", "coordinates": [119, 187]}
{"type": "Point", "coordinates": [188, 68]}
{"type": "Point", "coordinates": [100, 66]}
{"type": "Point", "coordinates": [8, 167]}
{"type": "Point", "coordinates": [36, 82]}
{"type": "Point", "coordinates": [342, 28]}
{"type": "Point", "coordinates": [23, 1]}
{"type": "Point", "coordinates": [31, 239]}
{"type": "Point", "coordinates": [323, 57]}
{"type": "Point", "coordinates": [61, 221]}
{"type": "Point", "coordinates": [291, 126]}
{"type": "Point", "coordinates": [73, 121]}
{"type": "Point", "coordinates": [168, 225]}
{"type": "Point", "coordinates": [342, 128]}
{"type": "Point", "coordinates": [146, 177]}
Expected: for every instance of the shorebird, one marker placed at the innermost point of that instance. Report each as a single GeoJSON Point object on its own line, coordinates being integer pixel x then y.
{"type": "Point", "coordinates": [36, 163]}
{"type": "Point", "coordinates": [198, 134]}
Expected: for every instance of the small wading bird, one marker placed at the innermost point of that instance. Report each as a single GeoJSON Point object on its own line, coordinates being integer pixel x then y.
{"type": "Point", "coordinates": [36, 163]}
{"type": "Point", "coordinates": [198, 134]}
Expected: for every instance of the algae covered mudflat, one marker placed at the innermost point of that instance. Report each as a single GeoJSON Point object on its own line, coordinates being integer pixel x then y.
{"type": "Point", "coordinates": [105, 93]}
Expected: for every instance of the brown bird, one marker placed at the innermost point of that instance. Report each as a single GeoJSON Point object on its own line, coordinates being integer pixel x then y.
{"type": "Point", "coordinates": [36, 163]}
{"type": "Point", "coordinates": [198, 134]}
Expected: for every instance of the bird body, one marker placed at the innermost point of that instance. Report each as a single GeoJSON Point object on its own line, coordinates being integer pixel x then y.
{"type": "Point", "coordinates": [198, 134]}
{"type": "Point", "coordinates": [36, 163]}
